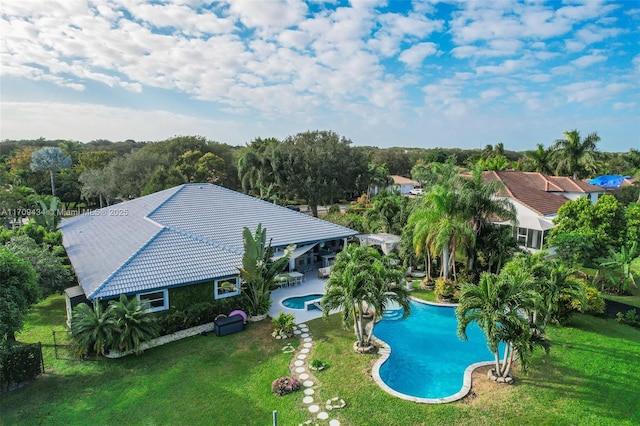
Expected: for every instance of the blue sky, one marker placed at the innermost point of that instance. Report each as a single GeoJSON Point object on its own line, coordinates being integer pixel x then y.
{"type": "Point", "coordinates": [384, 73]}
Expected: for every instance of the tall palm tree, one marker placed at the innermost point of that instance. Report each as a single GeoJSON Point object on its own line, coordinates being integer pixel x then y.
{"type": "Point", "coordinates": [496, 305]}
{"type": "Point", "coordinates": [379, 177]}
{"type": "Point", "coordinates": [439, 226]}
{"type": "Point", "coordinates": [539, 160]}
{"type": "Point", "coordinates": [478, 199]}
{"type": "Point", "coordinates": [51, 159]}
{"type": "Point", "coordinates": [576, 154]}
{"type": "Point", "coordinates": [361, 279]}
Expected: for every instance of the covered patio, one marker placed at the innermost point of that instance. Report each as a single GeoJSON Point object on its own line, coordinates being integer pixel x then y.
{"type": "Point", "coordinates": [310, 284]}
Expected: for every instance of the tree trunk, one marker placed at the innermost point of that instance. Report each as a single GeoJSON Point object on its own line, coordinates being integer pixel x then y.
{"type": "Point", "coordinates": [53, 185]}
{"type": "Point", "coordinates": [314, 209]}
{"type": "Point", "coordinates": [445, 262]}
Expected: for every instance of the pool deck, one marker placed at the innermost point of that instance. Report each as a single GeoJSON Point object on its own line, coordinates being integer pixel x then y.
{"type": "Point", "coordinates": [311, 284]}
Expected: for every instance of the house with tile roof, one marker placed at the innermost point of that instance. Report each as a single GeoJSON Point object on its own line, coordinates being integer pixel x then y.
{"type": "Point", "coordinates": [537, 198]}
{"type": "Point", "coordinates": [189, 235]}
{"type": "Point", "coordinates": [400, 184]}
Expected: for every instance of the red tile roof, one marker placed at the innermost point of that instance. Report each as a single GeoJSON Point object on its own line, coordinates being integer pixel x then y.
{"type": "Point", "coordinates": [536, 190]}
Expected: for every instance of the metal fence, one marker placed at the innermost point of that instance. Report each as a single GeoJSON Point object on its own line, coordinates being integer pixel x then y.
{"type": "Point", "coordinates": [62, 345]}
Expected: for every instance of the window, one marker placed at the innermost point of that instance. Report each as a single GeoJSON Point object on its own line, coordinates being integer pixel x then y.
{"type": "Point", "coordinates": [158, 300]}
{"type": "Point", "coordinates": [227, 287]}
{"type": "Point", "coordinates": [522, 236]}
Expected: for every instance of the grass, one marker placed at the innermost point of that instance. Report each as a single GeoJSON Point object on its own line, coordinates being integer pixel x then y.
{"type": "Point", "coordinates": [202, 379]}
{"type": "Point", "coordinates": [589, 378]}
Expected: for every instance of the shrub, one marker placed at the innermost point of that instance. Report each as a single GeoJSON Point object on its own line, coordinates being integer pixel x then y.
{"type": "Point", "coordinates": [445, 289]}
{"type": "Point", "coordinates": [630, 318]}
{"type": "Point", "coordinates": [19, 363]}
{"type": "Point", "coordinates": [594, 303]}
{"type": "Point", "coordinates": [283, 324]}
{"type": "Point", "coordinates": [285, 385]}
{"type": "Point", "coordinates": [335, 208]}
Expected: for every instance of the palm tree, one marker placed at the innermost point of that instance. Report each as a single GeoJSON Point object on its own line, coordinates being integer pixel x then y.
{"type": "Point", "coordinates": [439, 226]}
{"type": "Point", "coordinates": [259, 270]}
{"type": "Point", "coordinates": [51, 159]}
{"type": "Point", "coordinates": [135, 324]}
{"type": "Point", "coordinates": [496, 305]}
{"type": "Point", "coordinates": [478, 198]}
{"type": "Point", "coordinates": [360, 280]}
{"type": "Point", "coordinates": [379, 177]}
{"type": "Point", "coordinates": [92, 329]}
{"type": "Point", "coordinates": [576, 154]}
{"type": "Point", "coordinates": [539, 160]}
{"type": "Point", "coordinates": [617, 266]}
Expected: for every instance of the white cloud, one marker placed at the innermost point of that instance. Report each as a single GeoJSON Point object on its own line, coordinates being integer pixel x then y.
{"type": "Point", "coordinates": [588, 60]}
{"type": "Point", "coordinates": [592, 91]}
{"type": "Point", "coordinates": [414, 56]}
{"type": "Point", "coordinates": [623, 105]}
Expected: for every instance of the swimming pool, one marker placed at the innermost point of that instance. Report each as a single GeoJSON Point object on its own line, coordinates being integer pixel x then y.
{"type": "Point", "coordinates": [299, 302]}
{"type": "Point", "coordinates": [428, 361]}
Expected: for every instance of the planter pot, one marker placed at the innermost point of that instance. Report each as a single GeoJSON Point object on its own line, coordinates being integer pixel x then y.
{"type": "Point", "coordinates": [256, 318]}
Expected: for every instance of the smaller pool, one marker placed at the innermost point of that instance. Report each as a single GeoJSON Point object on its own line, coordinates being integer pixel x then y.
{"type": "Point", "coordinates": [299, 302]}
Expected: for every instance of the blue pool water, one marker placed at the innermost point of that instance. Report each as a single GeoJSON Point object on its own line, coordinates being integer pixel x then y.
{"type": "Point", "coordinates": [427, 358]}
{"type": "Point", "coordinates": [299, 301]}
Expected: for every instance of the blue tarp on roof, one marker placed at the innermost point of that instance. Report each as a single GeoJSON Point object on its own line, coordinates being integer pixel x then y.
{"type": "Point", "coordinates": [608, 181]}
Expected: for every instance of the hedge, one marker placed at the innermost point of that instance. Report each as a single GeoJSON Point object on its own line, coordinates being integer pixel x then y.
{"type": "Point", "coordinates": [19, 363]}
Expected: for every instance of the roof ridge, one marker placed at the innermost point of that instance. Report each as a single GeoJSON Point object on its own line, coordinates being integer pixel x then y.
{"type": "Point", "coordinates": [237, 193]}
{"type": "Point", "coordinates": [166, 200]}
{"type": "Point", "coordinates": [125, 263]}
{"type": "Point", "coordinates": [205, 240]}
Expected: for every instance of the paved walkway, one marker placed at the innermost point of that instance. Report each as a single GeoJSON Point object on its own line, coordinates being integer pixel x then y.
{"type": "Point", "coordinates": [317, 409]}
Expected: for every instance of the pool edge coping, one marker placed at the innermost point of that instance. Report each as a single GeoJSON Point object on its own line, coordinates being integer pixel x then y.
{"type": "Point", "coordinates": [385, 352]}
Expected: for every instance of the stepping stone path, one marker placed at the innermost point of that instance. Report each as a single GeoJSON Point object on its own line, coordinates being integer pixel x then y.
{"type": "Point", "coordinates": [301, 366]}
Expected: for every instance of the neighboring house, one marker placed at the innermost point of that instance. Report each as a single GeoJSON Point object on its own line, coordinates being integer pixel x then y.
{"type": "Point", "coordinates": [189, 235]}
{"type": "Point", "coordinates": [537, 198]}
{"type": "Point", "coordinates": [400, 184]}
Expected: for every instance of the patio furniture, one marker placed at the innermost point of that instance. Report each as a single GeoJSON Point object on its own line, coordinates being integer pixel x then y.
{"type": "Point", "coordinates": [228, 325]}
{"type": "Point", "coordinates": [297, 277]}
{"type": "Point", "coordinates": [324, 272]}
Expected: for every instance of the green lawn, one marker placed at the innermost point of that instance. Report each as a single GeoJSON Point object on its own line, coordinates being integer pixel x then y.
{"type": "Point", "coordinates": [591, 377]}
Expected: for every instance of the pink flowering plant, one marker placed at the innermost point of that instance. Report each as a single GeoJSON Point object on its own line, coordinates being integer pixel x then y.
{"type": "Point", "coordinates": [285, 385]}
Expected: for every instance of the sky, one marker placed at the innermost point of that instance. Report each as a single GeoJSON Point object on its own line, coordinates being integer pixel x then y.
{"type": "Point", "coordinates": [455, 74]}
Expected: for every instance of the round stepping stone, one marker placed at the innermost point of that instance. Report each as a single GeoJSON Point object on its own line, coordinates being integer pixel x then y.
{"type": "Point", "coordinates": [334, 422]}
{"type": "Point", "coordinates": [302, 356]}
{"type": "Point", "coordinates": [323, 416]}
{"type": "Point", "coordinates": [304, 335]}
{"type": "Point", "coordinates": [309, 391]}
{"type": "Point", "coordinates": [308, 339]}
{"type": "Point", "coordinates": [308, 345]}
{"type": "Point", "coordinates": [303, 376]}
{"type": "Point", "coordinates": [307, 383]}
{"type": "Point", "coordinates": [299, 363]}
{"type": "Point", "coordinates": [297, 332]}
{"type": "Point", "coordinates": [300, 370]}
{"type": "Point", "coordinates": [304, 329]}
{"type": "Point", "coordinates": [303, 325]}
{"type": "Point", "coordinates": [307, 400]}
{"type": "Point", "coordinates": [304, 351]}
{"type": "Point", "coordinates": [314, 408]}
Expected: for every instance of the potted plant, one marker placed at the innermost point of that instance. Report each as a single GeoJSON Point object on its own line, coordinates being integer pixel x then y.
{"type": "Point", "coordinates": [283, 325]}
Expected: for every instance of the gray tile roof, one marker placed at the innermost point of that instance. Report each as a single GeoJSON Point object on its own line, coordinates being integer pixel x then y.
{"type": "Point", "coordinates": [187, 234]}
